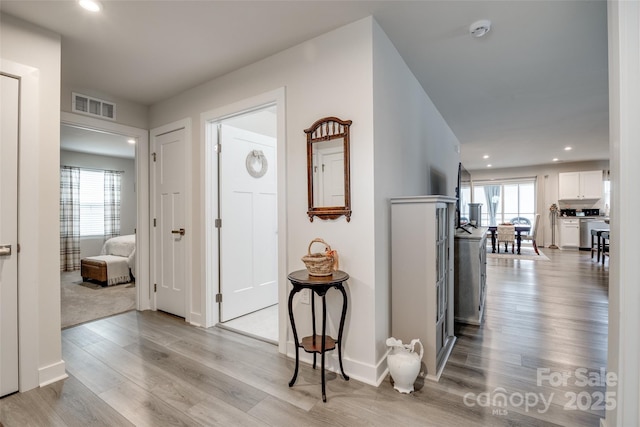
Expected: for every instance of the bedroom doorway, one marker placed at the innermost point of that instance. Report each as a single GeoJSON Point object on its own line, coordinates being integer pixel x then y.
{"type": "Point", "coordinates": [101, 271]}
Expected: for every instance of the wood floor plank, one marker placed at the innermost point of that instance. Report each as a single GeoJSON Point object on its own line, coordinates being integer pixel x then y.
{"type": "Point", "coordinates": [144, 409]}
{"type": "Point", "coordinates": [206, 380]}
{"type": "Point", "coordinates": [90, 371]}
{"type": "Point", "coordinates": [78, 406]}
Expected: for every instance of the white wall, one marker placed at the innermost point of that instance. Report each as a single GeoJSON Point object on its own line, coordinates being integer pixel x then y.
{"type": "Point", "coordinates": [414, 155]}
{"type": "Point", "coordinates": [127, 112]}
{"type": "Point", "coordinates": [547, 188]}
{"type": "Point", "coordinates": [39, 282]}
{"type": "Point", "coordinates": [92, 246]}
{"type": "Point", "coordinates": [327, 76]}
{"type": "Point", "coordinates": [624, 292]}
{"type": "Point", "coordinates": [343, 73]}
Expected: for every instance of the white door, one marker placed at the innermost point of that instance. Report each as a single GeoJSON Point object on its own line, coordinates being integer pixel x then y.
{"type": "Point", "coordinates": [248, 210]}
{"type": "Point", "coordinates": [170, 234]}
{"type": "Point", "coordinates": [9, 94]}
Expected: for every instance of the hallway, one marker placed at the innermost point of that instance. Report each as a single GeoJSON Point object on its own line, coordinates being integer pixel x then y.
{"type": "Point", "coordinates": [148, 368]}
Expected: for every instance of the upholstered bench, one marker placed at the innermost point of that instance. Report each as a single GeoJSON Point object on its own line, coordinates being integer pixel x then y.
{"type": "Point", "coordinates": [106, 269]}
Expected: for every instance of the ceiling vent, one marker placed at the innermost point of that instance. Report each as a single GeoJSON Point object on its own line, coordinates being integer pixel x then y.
{"type": "Point", "coordinates": [84, 104]}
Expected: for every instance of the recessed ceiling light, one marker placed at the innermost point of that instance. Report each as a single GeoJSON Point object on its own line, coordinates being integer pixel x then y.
{"type": "Point", "coordinates": [567, 148]}
{"type": "Point", "coordinates": [131, 141]}
{"type": "Point", "coordinates": [486, 156]}
{"type": "Point", "coordinates": [555, 159]}
{"type": "Point", "coordinates": [489, 165]}
{"type": "Point", "coordinates": [91, 5]}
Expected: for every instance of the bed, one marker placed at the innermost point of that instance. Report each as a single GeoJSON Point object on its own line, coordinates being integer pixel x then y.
{"type": "Point", "coordinates": [115, 264]}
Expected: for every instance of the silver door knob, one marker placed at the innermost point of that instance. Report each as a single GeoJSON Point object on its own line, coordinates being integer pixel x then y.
{"type": "Point", "coordinates": [5, 250]}
{"type": "Point", "coordinates": [180, 232]}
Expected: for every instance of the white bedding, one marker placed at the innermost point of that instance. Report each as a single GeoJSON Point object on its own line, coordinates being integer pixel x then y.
{"type": "Point", "coordinates": [124, 246]}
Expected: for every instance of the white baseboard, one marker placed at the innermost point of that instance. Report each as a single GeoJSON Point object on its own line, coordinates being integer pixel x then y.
{"type": "Point", "coordinates": [52, 373]}
{"type": "Point", "coordinates": [363, 372]}
{"type": "Point", "coordinates": [196, 319]}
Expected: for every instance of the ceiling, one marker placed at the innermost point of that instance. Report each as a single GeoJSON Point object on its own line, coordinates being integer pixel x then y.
{"type": "Point", "coordinates": [537, 82]}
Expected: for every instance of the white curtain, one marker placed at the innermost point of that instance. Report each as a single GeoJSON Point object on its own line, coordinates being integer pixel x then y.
{"type": "Point", "coordinates": [69, 218]}
{"type": "Point", "coordinates": [492, 194]}
{"type": "Point", "coordinates": [112, 188]}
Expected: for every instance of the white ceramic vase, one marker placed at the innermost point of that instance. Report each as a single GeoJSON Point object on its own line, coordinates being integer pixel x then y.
{"type": "Point", "coordinates": [404, 364]}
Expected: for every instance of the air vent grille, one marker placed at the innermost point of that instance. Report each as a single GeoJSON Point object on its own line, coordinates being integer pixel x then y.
{"type": "Point", "coordinates": [92, 106]}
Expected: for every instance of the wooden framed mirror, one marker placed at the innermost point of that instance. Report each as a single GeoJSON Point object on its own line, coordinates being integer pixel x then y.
{"type": "Point", "coordinates": [328, 176]}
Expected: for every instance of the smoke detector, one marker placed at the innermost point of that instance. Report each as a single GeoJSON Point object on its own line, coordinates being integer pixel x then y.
{"type": "Point", "coordinates": [480, 28]}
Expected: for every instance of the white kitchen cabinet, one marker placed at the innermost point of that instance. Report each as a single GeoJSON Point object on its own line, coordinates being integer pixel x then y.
{"type": "Point", "coordinates": [470, 275]}
{"type": "Point", "coordinates": [422, 276]}
{"type": "Point", "coordinates": [569, 232]}
{"type": "Point", "coordinates": [580, 185]}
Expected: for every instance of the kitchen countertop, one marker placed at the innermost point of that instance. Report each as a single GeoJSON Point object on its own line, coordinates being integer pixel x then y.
{"type": "Point", "coordinates": [603, 218]}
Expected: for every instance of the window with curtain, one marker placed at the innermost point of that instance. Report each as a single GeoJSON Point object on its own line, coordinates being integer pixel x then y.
{"type": "Point", "coordinates": [506, 200]}
{"type": "Point", "coordinates": [89, 206]}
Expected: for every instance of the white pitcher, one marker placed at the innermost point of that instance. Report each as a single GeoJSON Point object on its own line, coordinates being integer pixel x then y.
{"type": "Point", "coordinates": [404, 363]}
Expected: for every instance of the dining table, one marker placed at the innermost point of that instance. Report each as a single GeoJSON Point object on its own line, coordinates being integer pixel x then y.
{"type": "Point", "coordinates": [520, 228]}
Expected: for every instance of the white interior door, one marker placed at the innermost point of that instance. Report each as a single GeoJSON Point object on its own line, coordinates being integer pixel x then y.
{"type": "Point", "coordinates": [248, 209]}
{"type": "Point", "coordinates": [9, 110]}
{"type": "Point", "coordinates": [170, 233]}
{"type": "Point", "coordinates": [333, 179]}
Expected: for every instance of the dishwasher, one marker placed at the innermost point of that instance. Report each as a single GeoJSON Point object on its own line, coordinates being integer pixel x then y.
{"type": "Point", "coordinates": [586, 225]}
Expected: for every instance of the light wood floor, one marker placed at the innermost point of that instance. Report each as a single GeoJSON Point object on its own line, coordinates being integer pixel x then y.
{"type": "Point", "coordinates": [150, 369]}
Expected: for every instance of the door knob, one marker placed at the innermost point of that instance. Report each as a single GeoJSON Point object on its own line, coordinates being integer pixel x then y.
{"type": "Point", "coordinates": [5, 250]}
{"type": "Point", "coordinates": [180, 232]}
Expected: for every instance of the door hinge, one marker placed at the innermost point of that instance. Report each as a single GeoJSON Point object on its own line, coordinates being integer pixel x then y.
{"type": "Point", "coordinates": [154, 222]}
{"type": "Point", "coordinates": [18, 247]}
{"type": "Point", "coordinates": [218, 223]}
{"type": "Point", "coordinates": [153, 156]}
{"type": "Point", "coordinates": [218, 297]}
{"type": "Point", "coordinates": [218, 148]}
{"type": "Point", "coordinates": [155, 287]}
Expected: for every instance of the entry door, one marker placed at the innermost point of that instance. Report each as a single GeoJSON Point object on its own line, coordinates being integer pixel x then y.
{"type": "Point", "coordinates": [9, 94]}
{"type": "Point", "coordinates": [248, 210]}
{"type": "Point", "coordinates": [170, 235]}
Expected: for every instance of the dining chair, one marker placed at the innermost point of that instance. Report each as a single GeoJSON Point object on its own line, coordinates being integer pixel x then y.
{"type": "Point", "coordinates": [520, 220]}
{"type": "Point", "coordinates": [506, 235]}
{"type": "Point", "coordinates": [532, 235]}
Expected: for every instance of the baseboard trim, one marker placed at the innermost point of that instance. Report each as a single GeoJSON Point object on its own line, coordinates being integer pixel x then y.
{"type": "Point", "coordinates": [363, 372]}
{"type": "Point", "coordinates": [52, 373]}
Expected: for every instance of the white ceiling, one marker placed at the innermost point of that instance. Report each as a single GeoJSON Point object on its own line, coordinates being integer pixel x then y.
{"type": "Point", "coordinates": [535, 84]}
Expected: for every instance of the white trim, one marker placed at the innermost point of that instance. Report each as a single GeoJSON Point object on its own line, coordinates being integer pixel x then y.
{"type": "Point", "coordinates": [210, 197]}
{"type": "Point", "coordinates": [28, 277]}
{"type": "Point", "coordinates": [359, 371]}
{"type": "Point", "coordinates": [143, 277]}
{"type": "Point", "coordinates": [624, 131]}
{"type": "Point", "coordinates": [52, 373]}
{"type": "Point", "coordinates": [191, 315]}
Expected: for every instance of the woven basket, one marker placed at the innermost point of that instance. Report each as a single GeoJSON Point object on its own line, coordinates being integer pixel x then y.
{"type": "Point", "coordinates": [318, 264]}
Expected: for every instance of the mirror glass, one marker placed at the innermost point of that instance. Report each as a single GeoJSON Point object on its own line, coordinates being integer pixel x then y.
{"type": "Point", "coordinates": [328, 169]}
{"type": "Point", "coordinates": [328, 173]}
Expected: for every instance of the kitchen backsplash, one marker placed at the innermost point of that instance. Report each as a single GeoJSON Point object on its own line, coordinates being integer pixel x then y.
{"type": "Point", "coordinates": [579, 205]}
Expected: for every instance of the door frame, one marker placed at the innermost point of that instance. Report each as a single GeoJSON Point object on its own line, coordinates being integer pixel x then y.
{"type": "Point", "coordinates": [143, 300]}
{"type": "Point", "coordinates": [210, 208]}
{"type": "Point", "coordinates": [191, 314]}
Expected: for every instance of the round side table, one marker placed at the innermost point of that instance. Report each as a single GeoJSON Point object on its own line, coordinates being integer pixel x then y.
{"type": "Point", "coordinates": [318, 344]}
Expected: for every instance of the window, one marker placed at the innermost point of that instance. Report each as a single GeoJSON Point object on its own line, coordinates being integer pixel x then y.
{"type": "Point", "coordinates": [505, 201]}
{"type": "Point", "coordinates": [91, 203]}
